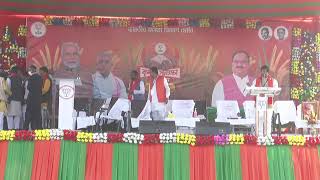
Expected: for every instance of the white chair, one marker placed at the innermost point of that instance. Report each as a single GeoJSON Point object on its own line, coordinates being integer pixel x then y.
{"type": "Point", "coordinates": [287, 111]}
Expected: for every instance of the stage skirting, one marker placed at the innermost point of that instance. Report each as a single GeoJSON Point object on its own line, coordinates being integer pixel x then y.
{"type": "Point", "coordinates": [68, 160]}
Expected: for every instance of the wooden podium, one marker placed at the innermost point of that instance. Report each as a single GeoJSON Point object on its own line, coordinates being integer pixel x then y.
{"type": "Point", "coordinates": [262, 94]}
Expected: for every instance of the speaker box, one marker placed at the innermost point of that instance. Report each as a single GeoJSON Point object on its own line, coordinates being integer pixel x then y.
{"type": "Point", "coordinates": [212, 128]}
{"type": "Point", "coordinates": [155, 127]}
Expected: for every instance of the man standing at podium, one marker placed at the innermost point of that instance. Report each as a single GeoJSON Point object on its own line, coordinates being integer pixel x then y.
{"type": "Point", "coordinates": [265, 80]}
{"type": "Point", "coordinates": [159, 92]}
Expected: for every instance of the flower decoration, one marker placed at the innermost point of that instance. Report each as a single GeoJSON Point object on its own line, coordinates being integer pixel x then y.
{"type": "Point", "coordinates": [183, 22]}
{"type": "Point", "coordinates": [6, 36]}
{"type": "Point", "coordinates": [204, 140]}
{"type": "Point", "coordinates": [24, 135]}
{"type": "Point", "coordinates": [186, 139]}
{"type": "Point", "coordinates": [70, 135]}
{"type": "Point", "coordinates": [221, 139]}
{"type": "Point", "coordinates": [265, 141]}
{"type": "Point", "coordinates": [133, 138]}
{"type": "Point", "coordinates": [91, 21]}
{"type": "Point", "coordinates": [280, 140]}
{"type": "Point", "coordinates": [251, 24]}
{"type": "Point", "coordinates": [312, 140]}
{"type": "Point", "coordinates": [296, 93]}
{"type": "Point", "coordinates": [100, 137]}
{"type": "Point", "coordinates": [67, 21]}
{"type": "Point", "coordinates": [115, 138]}
{"type": "Point", "coordinates": [296, 31]}
{"type": "Point", "coordinates": [168, 137]}
{"type": "Point", "coordinates": [85, 137]}
{"type": "Point", "coordinates": [296, 140]}
{"type": "Point", "coordinates": [42, 134]}
{"type": "Point", "coordinates": [124, 23]}
{"type": "Point", "coordinates": [151, 139]}
{"type": "Point", "coordinates": [204, 22]}
{"type": "Point", "coordinates": [156, 23]}
{"type": "Point", "coordinates": [227, 23]}
{"type": "Point", "coordinates": [22, 30]}
{"type": "Point", "coordinates": [7, 135]}
{"type": "Point", "coordinates": [250, 139]}
{"type": "Point", "coordinates": [22, 52]}
{"type": "Point", "coordinates": [113, 23]}
{"type": "Point", "coordinates": [47, 20]}
{"type": "Point", "coordinates": [56, 134]}
{"type": "Point", "coordinates": [236, 139]}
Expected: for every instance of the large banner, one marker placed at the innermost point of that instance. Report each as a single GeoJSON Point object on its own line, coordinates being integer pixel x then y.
{"type": "Point", "coordinates": [193, 58]}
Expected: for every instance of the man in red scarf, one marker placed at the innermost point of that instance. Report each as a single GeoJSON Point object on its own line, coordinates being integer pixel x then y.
{"type": "Point", "coordinates": [265, 80]}
{"type": "Point", "coordinates": [159, 93]}
{"type": "Point", "coordinates": [136, 87]}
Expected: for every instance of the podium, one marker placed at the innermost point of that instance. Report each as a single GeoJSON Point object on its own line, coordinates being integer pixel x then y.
{"type": "Point", "coordinates": [263, 112]}
{"type": "Point", "coordinates": [66, 92]}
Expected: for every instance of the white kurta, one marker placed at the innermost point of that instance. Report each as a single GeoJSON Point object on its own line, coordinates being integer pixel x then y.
{"type": "Point", "coordinates": [218, 92]}
{"type": "Point", "coordinates": [107, 87]}
{"type": "Point", "coordinates": [155, 104]}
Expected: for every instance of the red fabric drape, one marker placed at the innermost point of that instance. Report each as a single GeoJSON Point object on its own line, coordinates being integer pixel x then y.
{"type": "Point", "coordinates": [306, 163]}
{"type": "Point", "coordinates": [254, 161]}
{"type": "Point", "coordinates": [3, 158]}
{"type": "Point", "coordinates": [99, 161]}
{"type": "Point", "coordinates": [46, 160]}
{"type": "Point", "coordinates": [150, 163]}
{"type": "Point", "coordinates": [202, 163]}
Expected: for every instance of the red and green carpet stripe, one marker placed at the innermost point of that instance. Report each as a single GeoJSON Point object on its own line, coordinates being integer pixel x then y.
{"type": "Point", "coordinates": [59, 160]}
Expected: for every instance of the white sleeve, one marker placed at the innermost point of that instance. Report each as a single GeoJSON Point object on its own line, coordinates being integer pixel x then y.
{"type": "Point", "coordinates": [123, 92]}
{"type": "Point", "coordinates": [275, 83]}
{"type": "Point", "coordinates": [9, 83]}
{"type": "Point", "coordinates": [142, 89]}
{"type": "Point", "coordinates": [166, 86]}
{"type": "Point", "coordinates": [217, 93]}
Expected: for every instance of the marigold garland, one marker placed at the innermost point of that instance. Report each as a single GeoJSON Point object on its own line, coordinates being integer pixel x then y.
{"type": "Point", "coordinates": [181, 138]}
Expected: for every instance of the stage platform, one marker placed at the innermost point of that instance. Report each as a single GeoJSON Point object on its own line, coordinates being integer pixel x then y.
{"type": "Point", "coordinates": [68, 155]}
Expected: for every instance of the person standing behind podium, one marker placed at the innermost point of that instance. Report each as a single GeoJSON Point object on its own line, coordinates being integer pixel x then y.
{"type": "Point", "coordinates": [265, 80]}
{"type": "Point", "coordinates": [232, 87]}
{"type": "Point", "coordinates": [159, 92]}
{"type": "Point", "coordinates": [33, 111]}
{"type": "Point", "coordinates": [136, 87]}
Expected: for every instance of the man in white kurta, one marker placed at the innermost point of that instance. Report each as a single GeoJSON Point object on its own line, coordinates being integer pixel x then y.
{"type": "Point", "coordinates": [159, 93]}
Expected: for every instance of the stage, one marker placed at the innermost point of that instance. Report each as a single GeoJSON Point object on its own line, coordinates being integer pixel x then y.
{"type": "Point", "coordinates": [44, 155]}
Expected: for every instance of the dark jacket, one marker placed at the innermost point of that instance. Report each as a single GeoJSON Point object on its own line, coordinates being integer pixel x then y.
{"type": "Point", "coordinates": [16, 88]}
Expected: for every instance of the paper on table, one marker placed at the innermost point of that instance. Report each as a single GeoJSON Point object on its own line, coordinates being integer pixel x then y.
{"type": "Point", "coordinates": [227, 109]}
{"type": "Point", "coordinates": [183, 108]}
{"type": "Point", "coordinates": [117, 108]}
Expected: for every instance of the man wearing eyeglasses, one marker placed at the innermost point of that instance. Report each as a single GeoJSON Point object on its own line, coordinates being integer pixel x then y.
{"type": "Point", "coordinates": [232, 87]}
{"type": "Point", "coordinates": [105, 84]}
